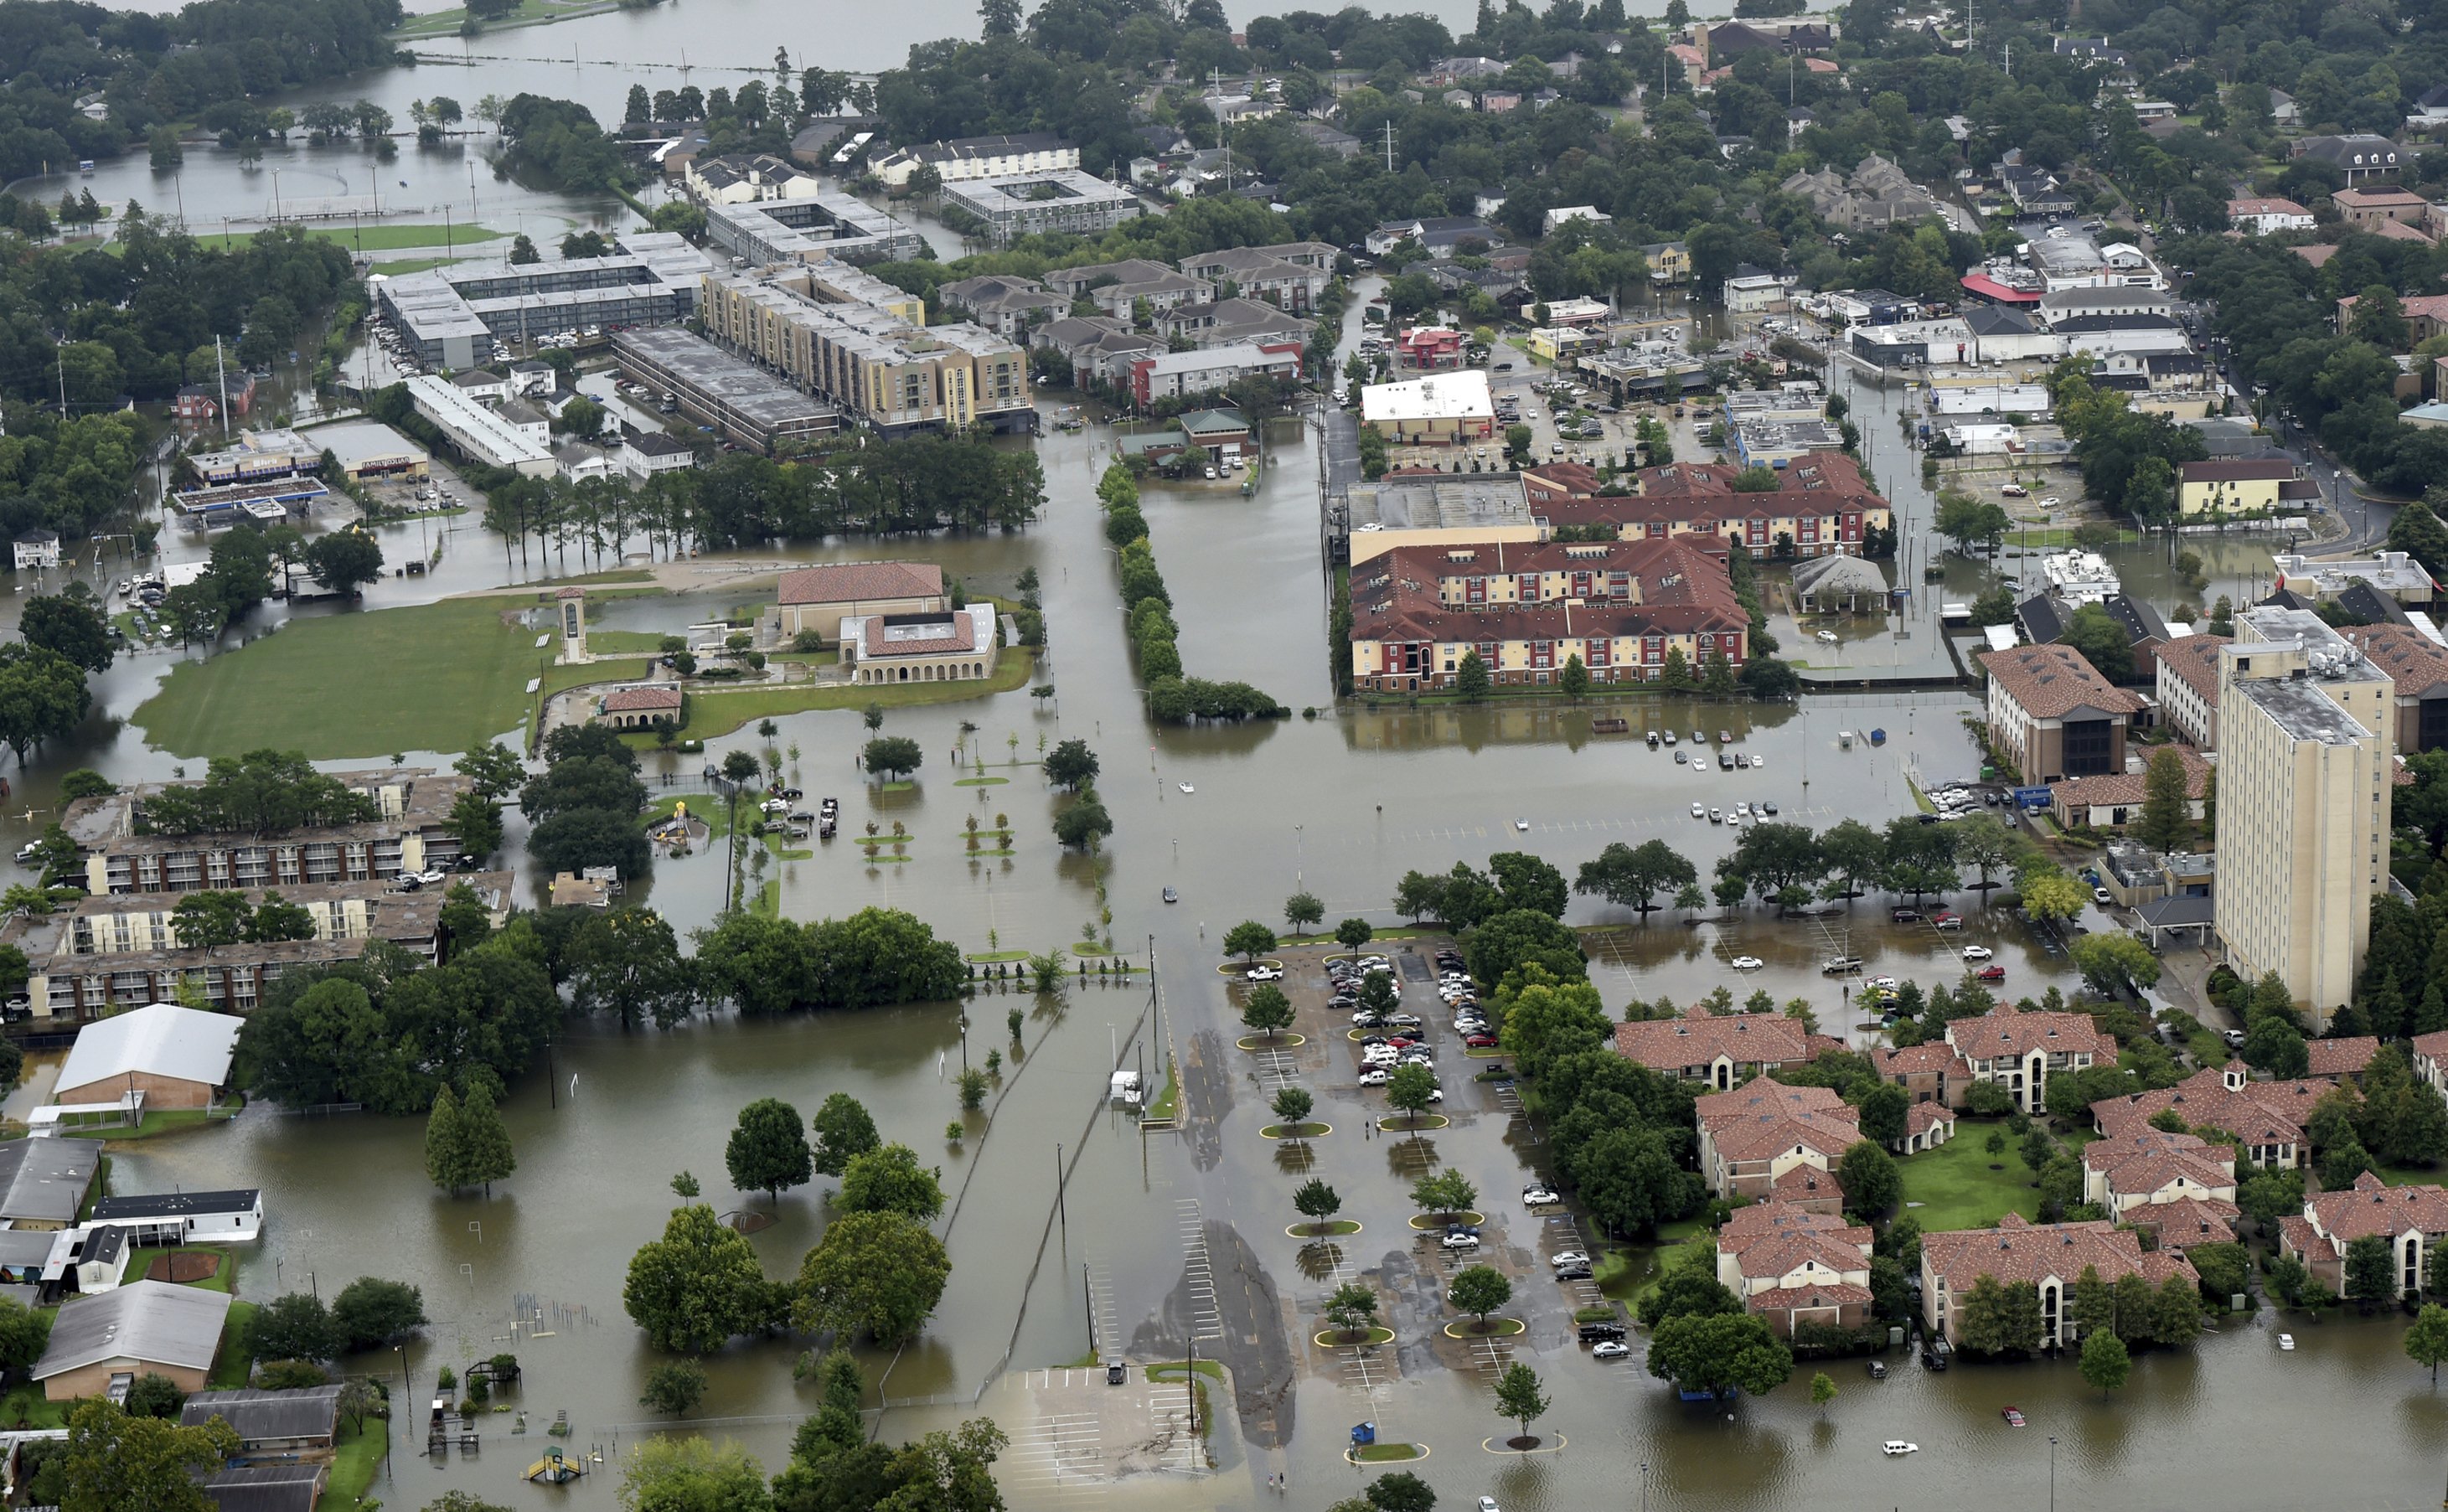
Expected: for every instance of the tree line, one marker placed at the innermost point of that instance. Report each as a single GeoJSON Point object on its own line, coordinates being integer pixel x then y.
{"type": "Point", "coordinates": [1173, 696]}
{"type": "Point", "coordinates": [159, 70]}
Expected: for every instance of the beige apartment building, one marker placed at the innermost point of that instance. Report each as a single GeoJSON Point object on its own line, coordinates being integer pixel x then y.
{"type": "Point", "coordinates": [2306, 733]}
{"type": "Point", "coordinates": [872, 360]}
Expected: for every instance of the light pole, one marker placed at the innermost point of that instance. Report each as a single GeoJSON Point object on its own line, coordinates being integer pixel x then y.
{"type": "Point", "coordinates": [1644, 1485]}
{"type": "Point", "coordinates": [2053, 1473]}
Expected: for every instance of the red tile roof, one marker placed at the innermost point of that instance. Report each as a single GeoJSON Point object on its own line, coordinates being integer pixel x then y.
{"type": "Point", "coordinates": [956, 633]}
{"type": "Point", "coordinates": [1818, 1294]}
{"type": "Point", "coordinates": [2343, 1057]}
{"type": "Point", "coordinates": [2052, 680]}
{"type": "Point", "coordinates": [642, 700]}
{"type": "Point", "coordinates": [2112, 789]}
{"type": "Point", "coordinates": [1929, 1058]}
{"type": "Point", "coordinates": [2018, 1250]}
{"type": "Point", "coordinates": [2433, 1048]}
{"type": "Point", "coordinates": [1807, 1183]}
{"type": "Point", "coordinates": [2194, 660]}
{"type": "Point", "coordinates": [1672, 1044]}
{"type": "Point", "coordinates": [2372, 1206]}
{"type": "Point", "coordinates": [2005, 1033]}
{"type": "Point", "coordinates": [862, 583]}
{"type": "Point", "coordinates": [1765, 1117]}
{"type": "Point", "coordinates": [1923, 1117]}
{"type": "Point", "coordinates": [2261, 1113]}
{"type": "Point", "coordinates": [1674, 589]}
{"type": "Point", "coordinates": [1774, 1216]}
{"type": "Point", "coordinates": [2417, 663]}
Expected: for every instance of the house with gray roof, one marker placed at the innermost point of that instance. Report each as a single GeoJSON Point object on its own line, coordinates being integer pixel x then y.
{"type": "Point", "coordinates": [299, 1418]}
{"type": "Point", "coordinates": [100, 1344]}
{"type": "Point", "coordinates": [43, 1182]}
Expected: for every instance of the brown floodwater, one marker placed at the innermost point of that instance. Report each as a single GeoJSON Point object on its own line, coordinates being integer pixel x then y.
{"type": "Point", "coordinates": [1342, 805]}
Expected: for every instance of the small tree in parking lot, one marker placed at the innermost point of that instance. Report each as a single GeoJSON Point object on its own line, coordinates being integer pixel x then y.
{"type": "Point", "coordinates": [1267, 1012]}
{"type": "Point", "coordinates": [1480, 1290]}
{"type": "Point", "coordinates": [1302, 909]}
{"type": "Point", "coordinates": [1409, 1090]}
{"type": "Point", "coordinates": [1316, 1201]}
{"type": "Point", "coordinates": [1352, 1309]}
{"type": "Point", "coordinates": [1292, 1105]}
{"type": "Point", "coordinates": [1446, 1192]}
{"type": "Point", "coordinates": [1378, 994]}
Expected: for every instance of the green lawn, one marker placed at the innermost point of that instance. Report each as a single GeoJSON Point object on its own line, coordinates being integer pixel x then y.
{"type": "Point", "coordinates": [601, 641]}
{"type": "Point", "coordinates": [2410, 1175]}
{"type": "Point", "coordinates": [394, 269]}
{"type": "Point", "coordinates": [25, 1407]}
{"type": "Point", "coordinates": [231, 1364]}
{"type": "Point", "coordinates": [159, 1121]}
{"type": "Point", "coordinates": [713, 715]}
{"type": "Point", "coordinates": [452, 676]}
{"type": "Point", "coordinates": [1952, 1186]}
{"type": "Point", "coordinates": [358, 1455]}
{"type": "Point", "coordinates": [1625, 1275]}
{"type": "Point", "coordinates": [375, 238]}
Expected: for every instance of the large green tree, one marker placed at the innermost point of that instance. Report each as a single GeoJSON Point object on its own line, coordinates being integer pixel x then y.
{"type": "Point", "coordinates": [115, 1462]}
{"type": "Point", "coordinates": [698, 1285]}
{"type": "Point", "coordinates": [879, 1275]}
{"type": "Point", "coordinates": [1712, 1353]}
{"type": "Point", "coordinates": [768, 1149]}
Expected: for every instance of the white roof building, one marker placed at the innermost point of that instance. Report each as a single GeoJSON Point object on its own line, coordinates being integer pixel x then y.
{"type": "Point", "coordinates": [162, 1042]}
{"type": "Point", "coordinates": [1460, 396]}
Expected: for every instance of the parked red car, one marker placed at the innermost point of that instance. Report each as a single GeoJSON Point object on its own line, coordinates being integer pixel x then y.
{"type": "Point", "coordinates": [1992, 974]}
{"type": "Point", "coordinates": [1481, 1041]}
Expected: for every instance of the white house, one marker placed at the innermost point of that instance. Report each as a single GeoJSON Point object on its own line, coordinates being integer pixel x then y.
{"type": "Point", "coordinates": [38, 548]}
{"type": "Point", "coordinates": [644, 453]}
{"type": "Point", "coordinates": [1556, 217]}
{"type": "Point", "coordinates": [2260, 217]}
{"type": "Point", "coordinates": [185, 1217]}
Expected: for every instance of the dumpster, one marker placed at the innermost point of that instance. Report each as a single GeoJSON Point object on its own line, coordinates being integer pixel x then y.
{"type": "Point", "coordinates": [1362, 1434]}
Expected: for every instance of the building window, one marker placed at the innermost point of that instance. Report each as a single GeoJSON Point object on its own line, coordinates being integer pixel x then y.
{"type": "Point", "coordinates": [2087, 744]}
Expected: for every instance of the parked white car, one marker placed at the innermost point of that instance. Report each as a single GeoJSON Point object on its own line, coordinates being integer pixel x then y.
{"type": "Point", "coordinates": [1538, 1196]}
{"type": "Point", "coordinates": [1977, 952]}
{"type": "Point", "coordinates": [1746, 963]}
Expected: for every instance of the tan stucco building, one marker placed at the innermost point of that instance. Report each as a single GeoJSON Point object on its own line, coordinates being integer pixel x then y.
{"type": "Point", "coordinates": [2307, 737]}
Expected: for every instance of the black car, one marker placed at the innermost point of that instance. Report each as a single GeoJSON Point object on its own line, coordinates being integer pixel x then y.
{"type": "Point", "coordinates": [1574, 1273]}
{"type": "Point", "coordinates": [1599, 1333]}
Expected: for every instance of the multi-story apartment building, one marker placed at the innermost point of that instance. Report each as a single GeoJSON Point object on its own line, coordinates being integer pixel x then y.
{"type": "Point", "coordinates": [2307, 742]}
{"type": "Point", "coordinates": [1719, 1052]}
{"type": "Point", "coordinates": [2417, 667]}
{"type": "Point", "coordinates": [882, 368]}
{"type": "Point", "coordinates": [1264, 273]}
{"type": "Point", "coordinates": [1790, 1265]}
{"type": "Point", "coordinates": [2048, 1258]}
{"type": "Point", "coordinates": [409, 833]}
{"type": "Point", "coordinates": [963, 158]}
{"type": "Point", "coordinates": [2020, 1051]}
{"type": "Point", "coordinates": [2187, 688]}
{"type": "Point", "coordinates": [1822, 506]}
{"type": "Point", "coordinates": [1759, 1131]}
{"type": "Point", "coordinates": [2413, 1218]}
{"type": "Point", "coordinates": [1622, 607]}
{"type": "Point", "coordinates": [2053, 715]}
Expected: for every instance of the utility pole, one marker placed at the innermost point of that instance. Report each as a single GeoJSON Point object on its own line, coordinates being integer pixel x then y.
{"type": "Point", "coordinates": [221, 372]}
{"type": "Point", "coordinates": [1390, 146]}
